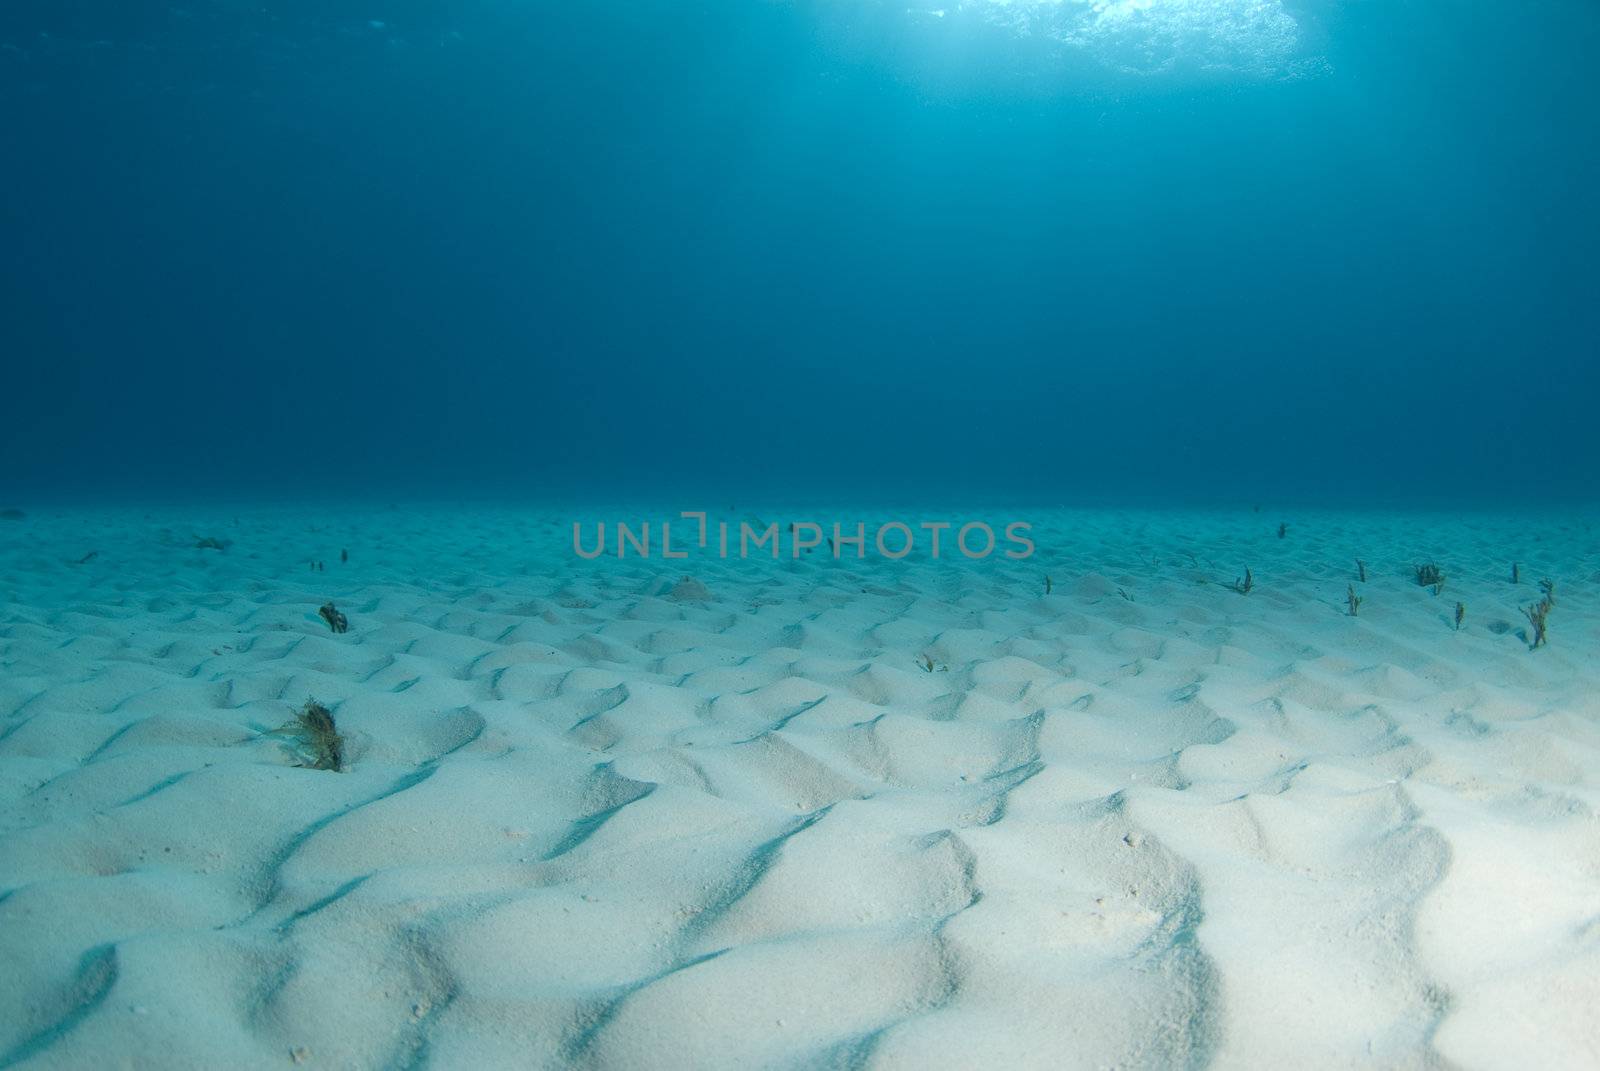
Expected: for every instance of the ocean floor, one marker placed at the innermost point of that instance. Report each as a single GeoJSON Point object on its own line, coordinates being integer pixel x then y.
{"type": "Point", "coordinates": [810, 813]}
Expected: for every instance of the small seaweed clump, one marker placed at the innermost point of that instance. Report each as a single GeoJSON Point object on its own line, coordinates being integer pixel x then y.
{"type": "Point", "coordinates": [320, 740]}
{"type": "Point", "coordinates": [336, 621]}
{"type": "Point", "coordinates": [1430, 576]}
{"type": "Point", "coordinates": [1244, 583]}
{"type": "Point", "coordinates": [1539, 611]}
{"type": "Point", "coordinates": [1352, 599]}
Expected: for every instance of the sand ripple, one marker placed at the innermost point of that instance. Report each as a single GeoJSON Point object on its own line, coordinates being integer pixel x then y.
{"type": "Point", "coordinates": [719, 814]}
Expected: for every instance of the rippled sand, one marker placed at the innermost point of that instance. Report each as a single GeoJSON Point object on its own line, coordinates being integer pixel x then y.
{"type": "Point", "coordinates": [594, 815]}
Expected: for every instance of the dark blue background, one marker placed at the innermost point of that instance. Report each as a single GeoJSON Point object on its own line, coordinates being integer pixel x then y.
{"type": "Point", "coordinates": [820, 250]}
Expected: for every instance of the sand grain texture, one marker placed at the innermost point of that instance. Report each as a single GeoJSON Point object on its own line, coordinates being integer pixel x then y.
{"type": "Point", "coordinates": [715, 814]}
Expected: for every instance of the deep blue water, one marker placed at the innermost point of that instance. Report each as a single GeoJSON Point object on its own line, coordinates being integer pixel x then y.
{"type": "Point", "coordinates": [829, 250]}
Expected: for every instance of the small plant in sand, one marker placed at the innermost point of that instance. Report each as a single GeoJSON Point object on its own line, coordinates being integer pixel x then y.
{"type": "Point", "coordinates": [1352, 599]}
{"type": "Point", "coordinates": [320, 744]}
{"type": "Point", "coordinates": [1361, 570]}
{"type": "Point", "coordinates": [336, 621]}
{"type": "Point", "coordinates": [1244, 583]}
{"type": "Point", "coordinates": [1516, 573]}
{"type": "Point", "coordinates": [1430, 576]}
{"type": "Point", "coordinates": [1536, 614]}
{"type": "Point", "coordinates": [1047, 584]}
{"type": "Point", "coordinates": [1283, 530]}
{"type": "Point", "coordinates": [1539, 612]}
{"type": "Point", "coordinates": [1461, 614]}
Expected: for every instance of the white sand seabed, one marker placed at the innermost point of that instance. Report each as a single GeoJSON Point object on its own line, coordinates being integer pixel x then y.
{"type": "Point", "coordinates": [593, 816]}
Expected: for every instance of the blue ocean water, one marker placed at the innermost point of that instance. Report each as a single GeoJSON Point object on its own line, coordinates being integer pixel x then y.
{"type": "Point", "coordinates": [1156, 250]}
